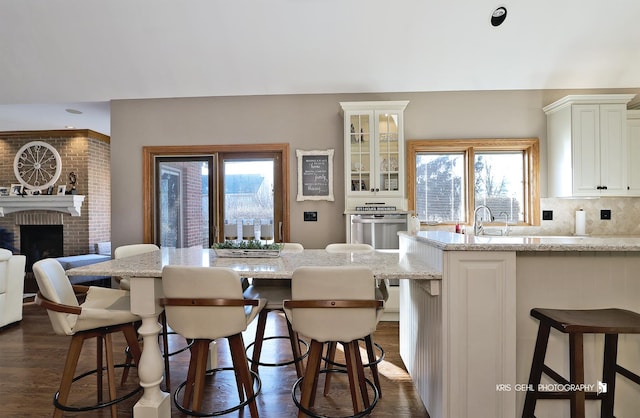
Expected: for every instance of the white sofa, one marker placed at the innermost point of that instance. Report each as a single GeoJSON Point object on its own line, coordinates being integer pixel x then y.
{"type": "Point", "coordinates": [11, 286]}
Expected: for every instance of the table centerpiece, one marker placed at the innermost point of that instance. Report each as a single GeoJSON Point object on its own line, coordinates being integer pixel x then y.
{"type": "Point", "coordinates": [251, 248]}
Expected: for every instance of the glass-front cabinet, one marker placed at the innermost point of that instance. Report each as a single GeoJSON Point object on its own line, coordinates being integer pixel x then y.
{"type": "Point", "coordinates": [374, 148]}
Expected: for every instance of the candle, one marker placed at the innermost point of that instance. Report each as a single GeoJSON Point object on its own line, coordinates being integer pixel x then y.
{"type": "Point", "coordinates": [248, 232]}
{"type": "Point", "coordinates": [266, 232]}
{"type": "Point", "coordinates": [231, 231]}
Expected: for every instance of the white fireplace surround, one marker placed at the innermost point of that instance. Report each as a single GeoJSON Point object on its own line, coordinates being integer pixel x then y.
{"type": "Point", "coordinates": [71, 204]}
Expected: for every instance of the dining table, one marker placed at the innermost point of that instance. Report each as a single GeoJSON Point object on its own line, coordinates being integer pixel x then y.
{"type": "Point", "coordinates": [145, 274]}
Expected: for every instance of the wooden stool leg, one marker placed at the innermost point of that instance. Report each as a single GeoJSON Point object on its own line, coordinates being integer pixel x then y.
{"type": "Point", "coordinates": [609, 374]}
{"type": "Point", "coordinates": [537, 365]}
{"type": "Point", "coordinates": [331, 356]}
{"type": "Point", "coordinates": [359, 397]}
{"type": "Point", "coordinates": [361, 379]}
{"type": "Point", "coordinates": [132, 341]}
{"type": "Point", "coordinates": [295, 350]}
{"type": "Point", "coordinates": [310, 375]}
{"type": "Point", "coordinates": [99, 373]}
{"type": "Point", "coordinates": [576, 362]}
{"type": "Point", "coordinates": [75, 347]}
{"type": "Point", "coordinates": [200, 373]}
{"type": "Point", "coordinates": [241, 367]}
{"type": "Point", "coordinates": [372, 360]}
{"type": "Point", "coordinates": [165, 347]}
{"type": "Point", "coordinates": [191, 374]}
{"type": "Point", "coordinates": [111, 373]}
{"type": "Point", "coordinates": [257, 344]}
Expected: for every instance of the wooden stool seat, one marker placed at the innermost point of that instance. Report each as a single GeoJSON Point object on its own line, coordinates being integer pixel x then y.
{"type": "Point", "coordinates": [610, 322]}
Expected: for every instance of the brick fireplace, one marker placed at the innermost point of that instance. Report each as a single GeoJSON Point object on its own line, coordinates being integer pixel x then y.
{"type": "Point", "coordinates": [87, 154]}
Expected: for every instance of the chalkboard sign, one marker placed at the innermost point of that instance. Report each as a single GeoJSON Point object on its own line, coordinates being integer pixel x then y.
{"type": "Point", "coordinates": [315, 175]}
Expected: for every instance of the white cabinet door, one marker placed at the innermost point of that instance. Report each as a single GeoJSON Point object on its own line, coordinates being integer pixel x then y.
{"type": "Point", "coordinates": [633, 152]}
{"type": "Point", "coordinates": [599, 149]}
{"type": "Point", "coordinates": [613, 150]}
{"type": "Point", "coordinates": [359, 152]}
{"type": "Point", "coordinates": [585, 128]}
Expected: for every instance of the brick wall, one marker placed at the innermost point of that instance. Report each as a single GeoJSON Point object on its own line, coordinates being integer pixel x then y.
{"type": "Point", "coordinates": [192, 184]}
{"type": "Point", "coordinates": [87, 154]}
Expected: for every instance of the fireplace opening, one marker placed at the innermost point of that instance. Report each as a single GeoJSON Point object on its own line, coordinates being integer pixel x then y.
{"type": "Point", "coordinates": [41, 241]}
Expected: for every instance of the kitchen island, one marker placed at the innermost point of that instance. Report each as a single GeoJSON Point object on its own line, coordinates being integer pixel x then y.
{"type": "Point", "coordinates": [145, 273]}
{"type": "Point", "coordinates": [468, 339]}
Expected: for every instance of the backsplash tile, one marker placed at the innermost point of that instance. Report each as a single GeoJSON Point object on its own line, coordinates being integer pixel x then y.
{"type": "Point", "coordinates": [625, 216]}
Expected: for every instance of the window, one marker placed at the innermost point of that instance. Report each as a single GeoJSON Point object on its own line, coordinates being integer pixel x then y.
{"type": "Point", "coordinates": [449, 178]}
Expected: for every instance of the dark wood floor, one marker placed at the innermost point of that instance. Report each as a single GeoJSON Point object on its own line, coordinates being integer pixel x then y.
{"type": "Point", "coordinates": [32, 356]}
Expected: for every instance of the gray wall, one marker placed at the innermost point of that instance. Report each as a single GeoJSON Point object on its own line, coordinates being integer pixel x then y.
{"type": "Point", "coordinates": [306, 122]}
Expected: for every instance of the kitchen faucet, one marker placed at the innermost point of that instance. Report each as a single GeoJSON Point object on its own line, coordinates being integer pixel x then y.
{"type": "Point", "coordinates": [477, 225]}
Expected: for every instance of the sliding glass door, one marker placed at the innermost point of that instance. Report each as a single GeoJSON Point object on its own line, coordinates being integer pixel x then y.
{"type": "Point", "coordinates": [185, 196]}
{"type": "Point", "coordinates": [193, 196]}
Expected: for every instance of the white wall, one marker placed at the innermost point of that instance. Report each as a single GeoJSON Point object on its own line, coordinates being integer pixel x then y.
{"type": "Point", "coordinates": [305, 122]}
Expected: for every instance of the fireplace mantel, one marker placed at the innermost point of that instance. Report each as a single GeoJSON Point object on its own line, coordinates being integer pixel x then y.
{"type": "Point", "coordinates": [70, 204]}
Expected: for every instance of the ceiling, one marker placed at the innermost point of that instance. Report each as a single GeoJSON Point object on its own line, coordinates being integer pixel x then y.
{"type": "Point", "coordinates": [80, 54]}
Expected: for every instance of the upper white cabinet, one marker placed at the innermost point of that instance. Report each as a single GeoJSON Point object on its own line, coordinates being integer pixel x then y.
{"type": "Point", "coordinates": [633, 148]}
{"type": "Point", "coordinates": [374, 150]}
{"type": "Point", "coordinates": [587, 146]}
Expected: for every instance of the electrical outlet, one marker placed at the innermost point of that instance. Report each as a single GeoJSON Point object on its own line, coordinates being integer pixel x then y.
{"type": "Point", "coordinates": [311, 216]}
{"type": "Point", "coordinates": [547, 215]}
{"type": "Point", "coordinates": [605, 214]}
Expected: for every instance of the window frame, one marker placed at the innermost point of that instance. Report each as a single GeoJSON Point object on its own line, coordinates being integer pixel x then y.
{"type": "Point", "coordinates": [531, 175]}
{"type": "Point", "coordinates": [149, 153]}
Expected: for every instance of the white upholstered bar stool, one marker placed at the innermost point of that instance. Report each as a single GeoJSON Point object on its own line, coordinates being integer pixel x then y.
{"type": "Point", "coordinates": [382, 292]}
{"type": "Point", "coordinates": [334, 304]}
{"type": "Point", "coordinates": [202, 304]}
{"type": "Point", "coordinates": [103, 312]}
{"type": "Point", "coordinates": [275, 291]}
{"type": "Point", "coordinates": [341, 247]}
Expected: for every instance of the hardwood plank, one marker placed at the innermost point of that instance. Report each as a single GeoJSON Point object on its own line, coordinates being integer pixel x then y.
{"type": "Point", "coordinates": [32, 360]}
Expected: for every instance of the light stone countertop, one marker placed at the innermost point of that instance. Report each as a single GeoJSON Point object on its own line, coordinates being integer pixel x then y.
{"type": "Point", "coordinates": [449, 241]}
{"type": "Point", "coordinates": [386, 264]}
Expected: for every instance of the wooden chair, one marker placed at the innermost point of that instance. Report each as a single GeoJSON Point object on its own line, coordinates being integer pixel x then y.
{"type": "Point", "coordinates": [103, 312]}
{"type": "Point", "coordinates": [334, 304]}
{"type": "Point", "coordinates": [275, 291]}
{"type": "Point", "coordinates": [576, 323]}
{"type": "Point", "coordinates": [202, 304]}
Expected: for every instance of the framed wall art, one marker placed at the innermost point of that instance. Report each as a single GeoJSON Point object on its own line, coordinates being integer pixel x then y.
{"type": "Point", "coordinates": [16, 189]}
{"type": "Point", "coordinates": [315, 175]}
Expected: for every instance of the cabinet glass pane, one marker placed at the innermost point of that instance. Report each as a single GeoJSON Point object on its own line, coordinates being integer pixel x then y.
{"type": "Point", "coordinates": [360, 143]}
{"type": "Point", "coordinates": [388, 154]}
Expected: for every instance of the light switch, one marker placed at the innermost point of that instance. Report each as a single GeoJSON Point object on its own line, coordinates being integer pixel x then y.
{"type": "Point", "coordinates": [311, 216]}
